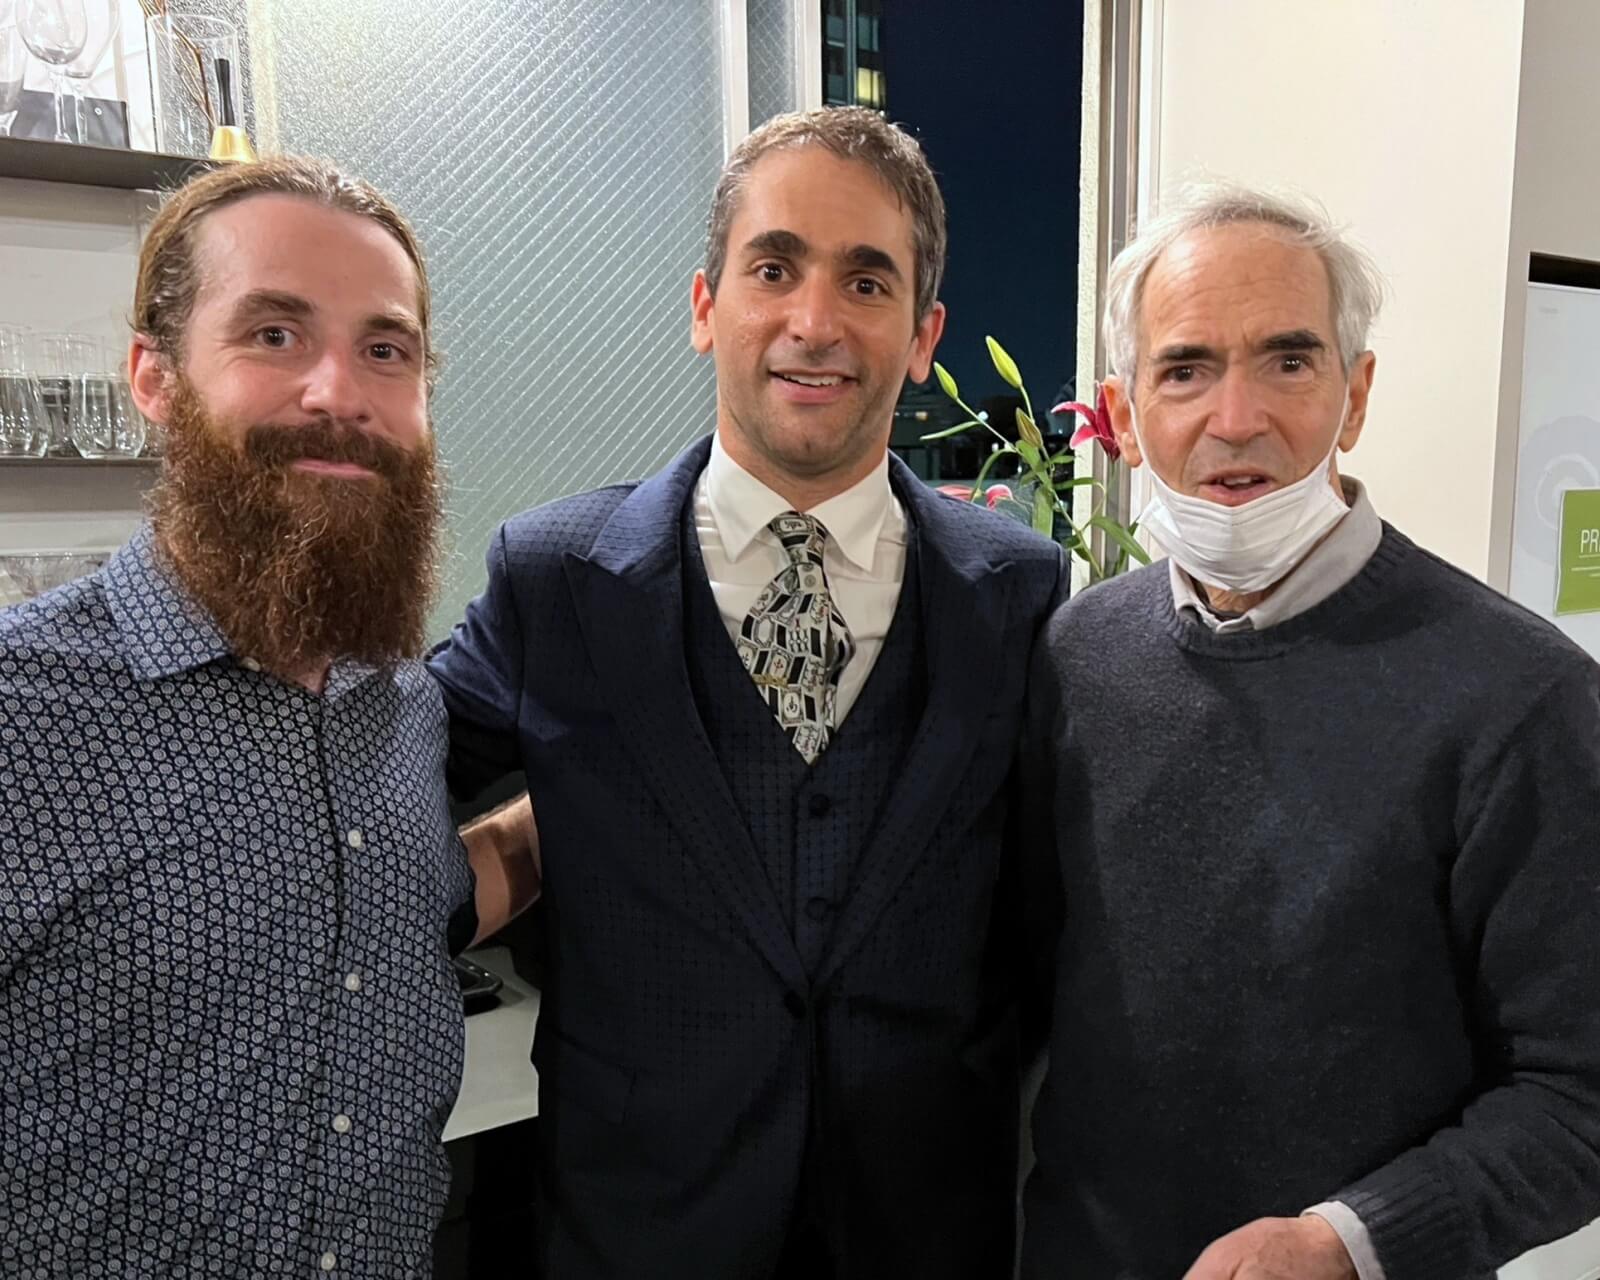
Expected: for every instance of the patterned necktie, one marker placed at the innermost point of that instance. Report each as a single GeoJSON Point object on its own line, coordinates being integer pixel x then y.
{"type": "Point", "coordinates": [794, 642]}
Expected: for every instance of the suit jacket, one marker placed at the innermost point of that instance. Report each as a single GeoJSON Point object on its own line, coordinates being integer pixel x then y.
{"type": "Point", "coordinates": [690, 1066]}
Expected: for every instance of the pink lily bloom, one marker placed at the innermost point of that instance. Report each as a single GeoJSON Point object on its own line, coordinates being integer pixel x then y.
{"type": "Point", "coordinates": [1097, 423]}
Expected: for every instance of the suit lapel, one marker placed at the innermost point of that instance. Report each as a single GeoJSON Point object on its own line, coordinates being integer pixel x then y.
{"type": "Point", "coordinates": [628, 596]}
{"type": "Point", "coordinates": [963, 601]}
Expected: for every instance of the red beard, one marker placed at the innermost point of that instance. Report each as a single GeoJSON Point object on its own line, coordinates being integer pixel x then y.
{"type": "Point", "coordinates": [298, 569]}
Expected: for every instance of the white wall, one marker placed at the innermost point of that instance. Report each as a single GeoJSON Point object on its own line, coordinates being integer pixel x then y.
{"type": "Point", "coordinates": [1400, 116]}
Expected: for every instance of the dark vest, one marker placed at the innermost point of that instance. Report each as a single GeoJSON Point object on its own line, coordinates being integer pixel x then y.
{"type": "Point", "coordinates": [809, 823]}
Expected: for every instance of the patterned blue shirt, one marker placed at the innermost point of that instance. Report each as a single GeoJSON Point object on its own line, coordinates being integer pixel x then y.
{"type": "Point", "coordinates": [229, 1031]}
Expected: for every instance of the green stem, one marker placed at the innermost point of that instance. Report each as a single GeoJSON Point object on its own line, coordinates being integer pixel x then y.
{"type": "Point", "coordinates": [981, 418]}
{"type": "Point", "coordinates": [1096, 571]}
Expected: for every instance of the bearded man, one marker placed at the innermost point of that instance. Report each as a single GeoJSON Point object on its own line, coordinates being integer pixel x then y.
{"type": "Point", "coordinates": [229, 1030]}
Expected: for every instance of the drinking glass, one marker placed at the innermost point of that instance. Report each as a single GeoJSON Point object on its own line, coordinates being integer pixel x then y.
{"type": "Point", "coordinates": [13, 67]}
{"type": "Point", "coordinates": [58, 358]}
{"type": "Point", "coordinates": [104, 424]}
{"type": "Point", "coordinates": [194, 60]}
{"type": "Point", "coordinates": [104, 17]}
{"type": "Point", "coordinates": [24, 425]}
{"type": "Point", "coordinates": [55, 32]}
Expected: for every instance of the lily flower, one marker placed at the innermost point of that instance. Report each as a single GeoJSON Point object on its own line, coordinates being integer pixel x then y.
{"type": "Point", "coordinates": [1097, 423]}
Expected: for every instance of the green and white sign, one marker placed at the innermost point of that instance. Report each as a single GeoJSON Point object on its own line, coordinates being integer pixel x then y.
{"type": "Point", "coordinates": [1578, 574]}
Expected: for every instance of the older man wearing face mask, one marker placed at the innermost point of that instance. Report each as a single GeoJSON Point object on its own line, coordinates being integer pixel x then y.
{"type": "Point", "coordinates": [1316, 822]}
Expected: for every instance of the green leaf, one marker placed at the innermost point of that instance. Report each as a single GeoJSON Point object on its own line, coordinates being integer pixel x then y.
{"type": "Point", "coordinates": [1077, 482]}
{"type": "Point", "coordinates": [1122, 537]}
{"type": "Point", "coordinates": [1028, 430]}
{"type": "Point", "coordinates": [952, 431]}
{"type": "Point", "coordinates": [1004, 365]}
{"type": "Point", "coordinates": [1031, 456]}
{"type": "Point", "coordinates": [1044, 511]}
{"type": "Point", "coordinates": [947, 384]}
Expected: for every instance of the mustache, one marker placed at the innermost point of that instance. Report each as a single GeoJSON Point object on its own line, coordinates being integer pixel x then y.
{"type": "Point", "coordinates": [279, 445]}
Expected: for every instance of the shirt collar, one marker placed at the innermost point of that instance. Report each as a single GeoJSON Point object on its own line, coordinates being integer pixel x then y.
{"type": "Point", "coordinates": [163, 629]}
{"type": "Point", "coordinates": [742, 507]}
{"type": "Point", "coordinates": [1329, 565]}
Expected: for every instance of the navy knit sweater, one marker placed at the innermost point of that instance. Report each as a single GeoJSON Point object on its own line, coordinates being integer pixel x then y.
{"type": "Point", "coordinates": [1322, 908]}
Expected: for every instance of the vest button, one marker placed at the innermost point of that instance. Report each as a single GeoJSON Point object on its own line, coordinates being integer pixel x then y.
{"type": "Point", "coordinates": [817, 909]}
{"type": "Point", "coordinates": [818, 805]}
{"type": "Point", "coordinates": [795, 1003]}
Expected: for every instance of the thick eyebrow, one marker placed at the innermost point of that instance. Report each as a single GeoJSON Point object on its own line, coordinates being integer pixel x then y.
{"type": "Point", "coordinates": [260, 304]}
{"type": "Point", "coordinates": [1294, 340]}
{"type": "Point", "coordinates": [1199, 353]}
{"type": "Point", "coordinates": [783, 244]}
{"type": "Point", "coordinates": [395, 320]}
{"type": "Point", "coordinates": [786, 244]}
{"type": "Point", "coordinates": [1184, 353]}
{"type": "Point", "coordinates": [868, 257]}
{"type": "Point", "coordinates": [270, 302]}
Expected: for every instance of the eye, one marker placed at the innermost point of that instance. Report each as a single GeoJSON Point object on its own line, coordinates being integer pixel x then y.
{"type": "Point", "coordinates": [1178, 373]}
{"type": "Point", "coordinates": [1295, 364]}
{"type": "Point", "coordinates": [867, 287]}
{"type": "Point", "coordinates": [770, 272]}
{"type": "Point", "coordinates": [387, 352]}
{"type": "Point", "coordinates": [275, 336]}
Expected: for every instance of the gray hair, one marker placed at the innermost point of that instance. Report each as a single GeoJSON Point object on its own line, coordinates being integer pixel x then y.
{"type": "Point", "coordinates": [1354, 282]}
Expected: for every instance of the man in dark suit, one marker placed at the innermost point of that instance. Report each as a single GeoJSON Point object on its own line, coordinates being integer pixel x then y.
{"type": "Point", "coordinates": [767, 702]}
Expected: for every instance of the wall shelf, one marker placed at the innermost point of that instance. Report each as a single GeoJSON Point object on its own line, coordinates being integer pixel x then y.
{"type": "Point", "coordinates": [95, 166]}
{"type": "Point", "coordinates": [80, 462]}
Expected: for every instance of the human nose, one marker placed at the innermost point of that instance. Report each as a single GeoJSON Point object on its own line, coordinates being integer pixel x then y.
{"type": "Point", "coordinates": [333, 388]}
{"type": "Point", "coordinates": [814, 318]}
{"type": "Point", "coordinates": [1238, 413]}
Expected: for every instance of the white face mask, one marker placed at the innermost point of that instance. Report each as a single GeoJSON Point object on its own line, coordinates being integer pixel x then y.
{"type": "Point", "coordinates": [1249, 547]}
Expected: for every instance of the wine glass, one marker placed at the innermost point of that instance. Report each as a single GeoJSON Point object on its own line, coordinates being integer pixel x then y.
{"type": "Point", "coordinates": [104, 17]}
{"type": "Point", "coordinates": [13, 67]}
{"type": "Point", "coordinates": [55, 31]}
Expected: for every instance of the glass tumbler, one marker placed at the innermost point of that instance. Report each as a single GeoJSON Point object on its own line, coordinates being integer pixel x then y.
{"type": "Point", "coordinates": [24, 424]}
{"type": "Point", "coordinates": [103, 422]}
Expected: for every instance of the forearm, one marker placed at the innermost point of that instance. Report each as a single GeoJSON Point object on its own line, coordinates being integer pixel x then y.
{"type": "Point", "coordinates": [503, 849]}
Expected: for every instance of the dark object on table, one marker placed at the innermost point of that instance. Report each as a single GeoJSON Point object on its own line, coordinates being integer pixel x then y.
{"type": "Point", "coordinates": [105, 120]}
{"type": "Point", "coordinates": [479, 988]}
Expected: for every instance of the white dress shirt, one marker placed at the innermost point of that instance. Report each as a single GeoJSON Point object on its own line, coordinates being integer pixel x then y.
{"type": "Point", "coordinates": [864, 557]}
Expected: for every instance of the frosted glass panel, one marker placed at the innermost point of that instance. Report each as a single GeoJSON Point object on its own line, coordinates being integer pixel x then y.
{"type": "Point", "coordinates": [557, 159]}
{"type": "Point", "coordinates": [771, 35]}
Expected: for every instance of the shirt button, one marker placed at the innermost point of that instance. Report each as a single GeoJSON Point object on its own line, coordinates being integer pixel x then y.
{"type": "Point", "coordinates": [328, 1261]}
{"type": "Point", "coordinates": [341, 1124]}
{"type": "Point", "coordinates": [819, 805]}
{"type": "Point", "coordinates": [355, 838]}
{"type": "Point", "coordinates": [352, 982]}
{"type": "Point", "coordinates": [249, 664]}
{"type": "Point", "coordinates": [818, 908]}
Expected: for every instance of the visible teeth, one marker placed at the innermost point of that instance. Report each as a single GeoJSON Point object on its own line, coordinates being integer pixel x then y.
{"type": "Point", "coordinates": [1240, 482]}
{"type": "Point", "coordinates": [831, 381]}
